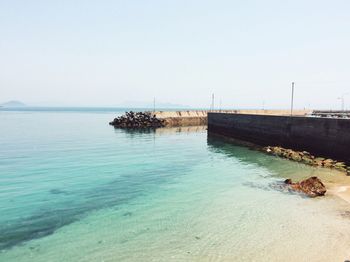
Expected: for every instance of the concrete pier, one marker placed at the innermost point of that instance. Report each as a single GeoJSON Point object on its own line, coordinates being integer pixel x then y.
{"type": "Point", "coordinates": [328, 137]}
{"type": "Point", "coordinates": [199, 117]}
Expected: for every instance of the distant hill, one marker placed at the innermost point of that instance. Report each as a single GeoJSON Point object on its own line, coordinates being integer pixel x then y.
{"type": "Point", "coordinates": [13, 104]}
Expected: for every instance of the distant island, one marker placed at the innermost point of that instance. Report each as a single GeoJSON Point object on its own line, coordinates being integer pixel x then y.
{"type": "Point", "coordinates": [12, 103]}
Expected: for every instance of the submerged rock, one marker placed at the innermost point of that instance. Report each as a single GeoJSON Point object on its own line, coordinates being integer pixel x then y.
{"type": "Point", "coordinates": [312, 186]}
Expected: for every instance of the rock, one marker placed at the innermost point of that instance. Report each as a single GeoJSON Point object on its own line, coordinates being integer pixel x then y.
{"type": "Point", "coordinates": [341, 169]}
{"type": "Point", "coordinates": [318, 161]}
{"type": "Point", "coordinates": [307, 160]}
{"type": "Point", "coordinates": [287, 153]}
{"type": "Point", "coordinates": [328, 163]}
{"type": "Point", "coordinates": [276, 150]}
{"type": "Point", "coordinates": [348, 171]}
{"type": "Point", "coordinates": [339, 165]}
{"type": "Point", "coordinates": [295, 156]}
{"type": "Point", "coordinates": [312, 186]}
{"type": "Point", "coordinates": [288, 181]}
{"type": "Point", "coordinates": [306, 153]}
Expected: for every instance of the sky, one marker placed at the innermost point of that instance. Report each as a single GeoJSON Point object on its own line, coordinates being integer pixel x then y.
{"type": "Point", "coordinates": [110, 53]}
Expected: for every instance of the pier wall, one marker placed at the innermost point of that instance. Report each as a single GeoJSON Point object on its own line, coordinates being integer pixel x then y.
{"type": "Point", "coordinates": [199, 117]}
{"type": "Point", "coordinates": [328, 137]}
{"type": "Point", "coordinates": [204, 113]}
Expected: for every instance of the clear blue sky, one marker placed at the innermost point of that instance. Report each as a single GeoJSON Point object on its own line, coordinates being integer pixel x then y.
{"type": "Point", "coordinates": [103, 53]}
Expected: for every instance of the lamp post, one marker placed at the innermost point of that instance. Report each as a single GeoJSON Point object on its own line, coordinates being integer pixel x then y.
{"type": "Point", "coordinates": [154, 104]}
{"type": "Point", "coordinates": [212, 103]}
{"type": "Point", "coordinates": [342, 101]}
{"type": "Point", "coordinates": [292, 100]}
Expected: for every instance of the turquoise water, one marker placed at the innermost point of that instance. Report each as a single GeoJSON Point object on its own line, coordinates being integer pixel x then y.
{"type": "Point", "coordinates": [72, 188]}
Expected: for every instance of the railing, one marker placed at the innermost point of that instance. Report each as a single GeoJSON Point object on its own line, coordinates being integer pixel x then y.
{"type": "Point", "coordinates": [331, 113]}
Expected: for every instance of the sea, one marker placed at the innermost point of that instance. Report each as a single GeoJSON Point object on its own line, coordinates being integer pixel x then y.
{"type": "Point", "coordinates": [74, 188]}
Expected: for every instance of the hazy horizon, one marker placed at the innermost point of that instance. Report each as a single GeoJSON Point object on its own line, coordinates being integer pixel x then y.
{"type": "Point", "coordinates": [109, 53]}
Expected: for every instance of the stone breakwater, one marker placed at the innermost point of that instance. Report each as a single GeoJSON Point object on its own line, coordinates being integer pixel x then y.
{"type": "Point", "coordinates": [160, 119]}
{"type": "Point", "coordinates": [306, 158]}
{"type": "Point", "coordinates": [182, 118]}
{"type": "Point", "coordinates": [137, 120]}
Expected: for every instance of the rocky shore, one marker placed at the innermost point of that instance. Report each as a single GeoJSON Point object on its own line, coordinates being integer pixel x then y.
{"type": "Point", "coordinates": [306, 158]}
{"type": "Point", "coordinates": [137, 120]}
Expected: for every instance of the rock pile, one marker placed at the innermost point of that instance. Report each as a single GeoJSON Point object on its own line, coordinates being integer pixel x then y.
{"type": "Point", "coordinates": [137, 120]}
{"type": "Point", "coordinates": [312, 186]}
{"type": "Point", "coordinates": [306, 158]}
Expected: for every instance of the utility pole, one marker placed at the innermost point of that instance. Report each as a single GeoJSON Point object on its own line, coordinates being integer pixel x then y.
{"type": "Point", "coordinates": [342, 98]}
{"type": "Point", "coordinates": [154, 104]}
{"type": "Point", "coordinates": [212, 102]}
{"type": "Point", "coordinates": [292, 101]}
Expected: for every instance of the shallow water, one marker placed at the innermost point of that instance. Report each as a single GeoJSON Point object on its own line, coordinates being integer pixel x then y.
{"type": "Point", "coordinates": [73, 188]}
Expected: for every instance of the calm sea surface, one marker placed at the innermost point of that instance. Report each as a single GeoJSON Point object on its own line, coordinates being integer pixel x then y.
{"type": "Point", "coordinates": [73, 188]}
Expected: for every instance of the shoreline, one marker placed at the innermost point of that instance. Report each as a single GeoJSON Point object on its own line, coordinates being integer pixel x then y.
{"type": "Point", "coordinates": [339, 188]}
{"type": "Point", "coordinates": [306, 158]}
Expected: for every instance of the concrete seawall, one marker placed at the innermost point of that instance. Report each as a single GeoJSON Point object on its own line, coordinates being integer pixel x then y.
{"type": "Point", "coordinates": [321, 136]}
{"type": "Point", "coordinates": [183, 118]}
{"type": "Point", "coordinates": [199, 117]}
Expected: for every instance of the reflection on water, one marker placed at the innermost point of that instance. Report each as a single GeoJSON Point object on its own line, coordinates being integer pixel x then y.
{"type": "Point", "coordinates": [182, 129]}
{"type": "Point", "coordinates": [135, 131]}
{"type": "Point", "coordinates": [160, 131]}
